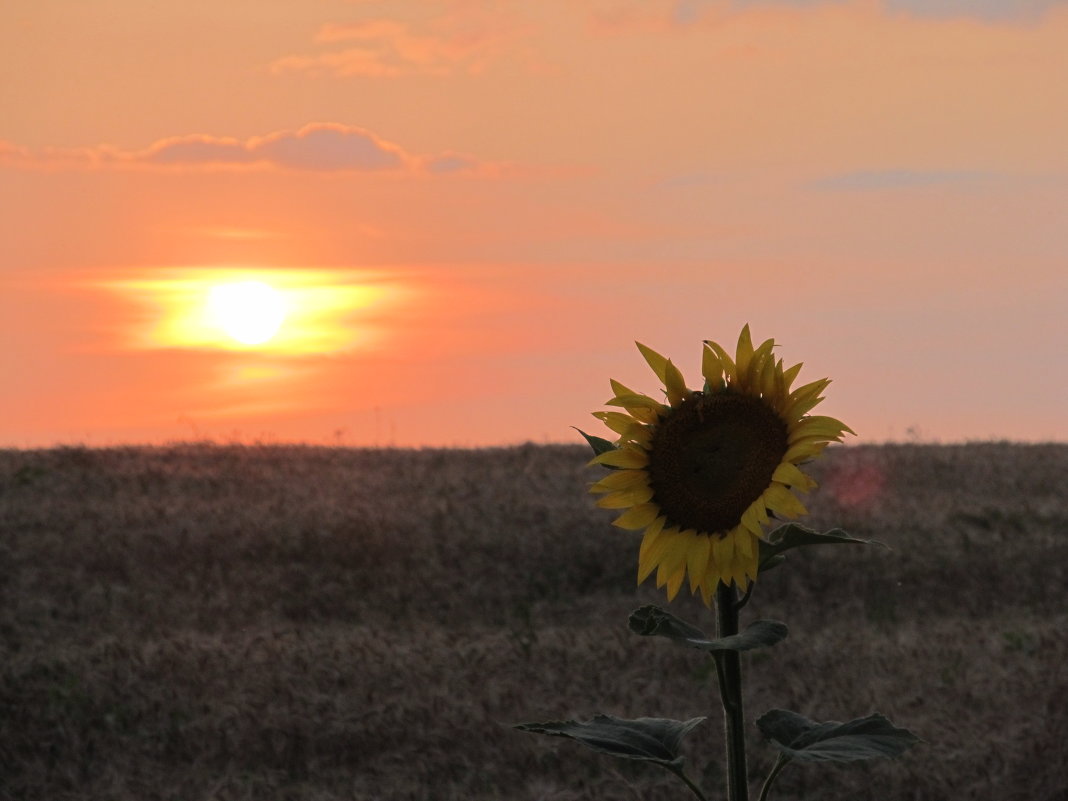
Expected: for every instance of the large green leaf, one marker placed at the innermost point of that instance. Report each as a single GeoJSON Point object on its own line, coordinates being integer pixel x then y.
{"type": "Point", "coordinates": [793, 535]}
{"type": "Point", "coordinates": [599, 444]}
{"type": "Point", "coordinates": [646, 739]}
{"type": "Point", "coordinates": [652, 621]}
{"type": "Point", "coordinates": [805, 740]}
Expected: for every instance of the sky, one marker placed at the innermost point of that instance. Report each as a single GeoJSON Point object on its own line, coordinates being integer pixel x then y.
{"type": "Point", "coordinates": [466, 213]}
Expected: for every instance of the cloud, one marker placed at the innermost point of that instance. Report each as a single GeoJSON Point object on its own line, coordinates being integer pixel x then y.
{"type": "Point", "coordinates": [317, 147]}
{"type": "Point", "coordinates": [898, 179]}
{"type": "Point", "coordinates": [987, 10]}
{"type": "Point", "coordinates": [329, 147]}
{"type": "Point", "coordinates": [619, 15]}
{"type": "Point", "coordinates": [465, 39]}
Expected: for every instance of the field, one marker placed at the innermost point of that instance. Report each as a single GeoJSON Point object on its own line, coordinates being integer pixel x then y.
{"type": "Point", "coordinates": [222, 622]}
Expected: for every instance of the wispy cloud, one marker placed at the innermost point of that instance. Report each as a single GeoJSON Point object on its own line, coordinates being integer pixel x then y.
{"type": "Point", "coordinates": [622, 15]}
{"type": "Point", "coordinates": [987, 10]}
{"type": "Point", "coordinates": [461, 40]}
{"type": "Point", "coordinates": [318, 147]}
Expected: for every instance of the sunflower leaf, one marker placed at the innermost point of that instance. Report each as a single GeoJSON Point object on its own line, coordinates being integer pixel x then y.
{"type": "Point", "coordinates": [645, 739]}
{"type": "Point", "coordinates": [599, 444]}
{"type": "Point", "coordinates": [793, 535]}
{"type": "Point", "coordinates": [802, 739]}
{"type": "Point", "coordinates": [652, 621]}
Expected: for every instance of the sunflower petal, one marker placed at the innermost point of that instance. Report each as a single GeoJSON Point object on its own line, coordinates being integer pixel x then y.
{"type": "Point", "coordinates": [803, 450]}
{"type": "Point", "coordinates": [697, 560]}
{"type": "Point", "coordinates": [789, 374]}
{"type": "Point", "coordinates": [744, 544]}
{"type": "Point", "coordinates": [711, 366]}
{"type": "Point", "coordinates": [621, 499]}
{"type": "Point", "coordinates": [790, 475]}
{"type": "Point", "coordinates": [723, 554]}
{"type": "Point", "coordinates": [654, 554]}
{"type": "Point", "coordinates": [620, 479]}
{"type": "Point", "coordinates": [655, 360]}
{"type": "Point", "coordinates": [729, 370]}
{"type": "Point", "coordinates": [675, 582]}
{"type": "Point", "coordinates": [637, 517]}
{"type": "Point", "coordinates": [677, 551]}
{"type": "Point", "coordinates": [819, 425]}
{"type": "Point", "coordinates": [622, 457]}
{"type": "Point", "coordinates": [783, 502]}
{"type": "Point", "coordinates": [616, 421]}
{"type": "Point", "coordinates": [675, 384]}
{"type": "Point", "coordinates": [751, 518]}
{"type": "Point", "coordinates": [708, 586]}
{"type": "Point", "coordinates": [744, 352]}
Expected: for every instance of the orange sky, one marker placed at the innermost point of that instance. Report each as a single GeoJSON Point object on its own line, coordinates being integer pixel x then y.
{"type": "Point", "coordinates": [473, 209]}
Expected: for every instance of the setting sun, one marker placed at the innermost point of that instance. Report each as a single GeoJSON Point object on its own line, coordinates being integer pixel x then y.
{"type": "Point", "coordinates": [250, 312]}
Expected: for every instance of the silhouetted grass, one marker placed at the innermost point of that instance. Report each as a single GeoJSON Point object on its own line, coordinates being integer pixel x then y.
{"type": "Point", "coordinates": [209, 622]}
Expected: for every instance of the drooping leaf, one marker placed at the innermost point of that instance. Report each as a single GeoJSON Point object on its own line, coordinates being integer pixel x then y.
{"type": "Point", "coordinates": [645, 739]}
{"type": "Point", "coordinates": [793, 535]}
{"type": "Point", "coordinates": [808, 741]}
{"type": "Point", "coordinates": [652, 621]}
{"type": "Point", "coordinates": [599, 444]}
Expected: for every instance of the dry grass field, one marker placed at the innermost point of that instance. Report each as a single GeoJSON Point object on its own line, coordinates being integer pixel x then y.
{"type": "Point", "coordinates": [265, 623]}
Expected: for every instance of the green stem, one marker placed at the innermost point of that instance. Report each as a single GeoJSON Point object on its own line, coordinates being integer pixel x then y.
{"type": "Point", "coordinates": [730, 682]}
{"type": "Point", "coordinates": [780, 763]}
{"type": "Point", "coordinates": [696, 790]}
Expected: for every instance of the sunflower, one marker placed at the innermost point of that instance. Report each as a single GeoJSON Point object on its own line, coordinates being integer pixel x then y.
{"type": "Point", "coordinates": [702, 474]}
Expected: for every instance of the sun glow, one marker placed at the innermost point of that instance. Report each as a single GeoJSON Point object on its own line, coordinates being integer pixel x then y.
{"type": "Point", "coordinates": [278, 311]}
{"type": "Point", "coordinates": [249, 311]}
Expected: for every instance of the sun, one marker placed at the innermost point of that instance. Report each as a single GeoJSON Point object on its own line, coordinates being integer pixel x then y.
{"type": "Point", "coordinates": [249, 312]}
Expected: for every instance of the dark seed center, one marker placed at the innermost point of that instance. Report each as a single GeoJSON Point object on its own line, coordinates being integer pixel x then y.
{"type": "Point", "coordinates": [712, 457]}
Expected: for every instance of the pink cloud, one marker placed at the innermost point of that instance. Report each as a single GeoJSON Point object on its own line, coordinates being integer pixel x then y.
{"type": "Point", "coordinates": [319, 147]}
{"type": "Point", "coordinates": [458, 41]}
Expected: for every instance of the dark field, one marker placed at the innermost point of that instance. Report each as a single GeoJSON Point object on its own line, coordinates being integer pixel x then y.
{"type": "Point", "coordinates": [207, 622]}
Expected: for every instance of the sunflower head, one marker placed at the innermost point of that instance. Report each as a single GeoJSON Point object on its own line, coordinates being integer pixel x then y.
{"type": "Point", "coordinates": [703, 473]}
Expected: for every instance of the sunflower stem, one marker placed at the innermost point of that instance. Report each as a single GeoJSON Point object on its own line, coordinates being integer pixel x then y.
{"type": "Point", "coordinates": [730, 683]}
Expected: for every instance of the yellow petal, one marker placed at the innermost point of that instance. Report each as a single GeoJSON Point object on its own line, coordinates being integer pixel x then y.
{"type": "Point", "coordinates": [711, 366]}
{"type": "Point", "coordinates": [783, 502]}
{"type": "Point", "coordinates": [675, 384]}
{"type": "Point", "coordinates": [697, 560]}
{"type": "Point", "coordinates": [653, 533]}
{"type": "Point", "coordinates": [640, 407]}
{"type": "Point", "coordinates": [655, 360]}
{"type": "Point", "coordinates": [621, 499]}
{"type": "Point", "coordinates": [764, 378]}
{"type": "Point", "coordinates": [791, 476]}
{"type": "Point", "coordinates": [744, 352]}
{"type": "Point", "coordinates": [789, 374]}
{"type": "Point", "coordinates": [819, 425]}
{"type": "Point", "coordinates": [754, 371]}
{"type": "Point", "coordinates": [637, 517]}
{"type": "Point", "coordinates": [622, 457]}
{"type": "Point", "coordinates": [723, 555]}
{"type": "Point", "coordinates": [751, 518]}
{"type": "Point", "coordinates": [616, 421]}
{"type": "Point", "coordinates": [708, 587]}
{"type": "Point", "coordinates": [805, 449]}
{"type": "Point", "coordinates": [620, 479]}
{"type": "Point", "coordinates": [744, 544]}
{"type": "Point", "coordinates": [642, 435]}
{"type": "Point", "coordinates": [675, 582]}
{"type": "Point", "coordinates": [677, 551]}
{"type": "Point", "coordinates": [726, 361]}
{"type": "Point", "coordinates": [804, 398]}
{"type": "Point", "coordinates": [651, 557]}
